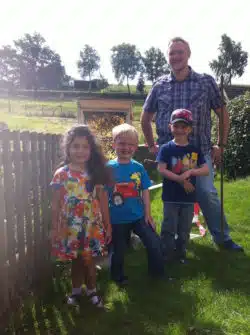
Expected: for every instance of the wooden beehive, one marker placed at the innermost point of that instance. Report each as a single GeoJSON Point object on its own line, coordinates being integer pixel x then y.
{"type": "Point", "coordinates": [95, 106]}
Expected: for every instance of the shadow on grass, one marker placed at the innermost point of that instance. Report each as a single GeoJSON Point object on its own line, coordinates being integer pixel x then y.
{"type": "Point", "coordinates": [227, 270]}
{"type": "Point", "coordinates": [145, 306]}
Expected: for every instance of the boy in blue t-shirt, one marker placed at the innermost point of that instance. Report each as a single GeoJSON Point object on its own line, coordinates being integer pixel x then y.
{"type": "Point", "coordinates": [129, 205]}
{"type": "Point", "coordinates": [179, 163]}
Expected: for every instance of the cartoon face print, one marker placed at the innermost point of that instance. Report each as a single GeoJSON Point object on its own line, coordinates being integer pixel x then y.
{"type": "Point", "coordinates": [118, 199]}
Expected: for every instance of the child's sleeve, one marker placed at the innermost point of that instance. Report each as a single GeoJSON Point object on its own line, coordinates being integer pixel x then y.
{"type": "Point", "coordinates": [58, 179]}
{"type": "Point", "coordinates": [162, 156]}
{"type": "Point", "coordinates": [145, 180]}
{"type": "Point", "coordinates": [201, 159]}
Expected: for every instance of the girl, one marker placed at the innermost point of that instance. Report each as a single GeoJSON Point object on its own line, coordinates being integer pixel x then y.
{"type": "Point", "coordinates": [80, 216]}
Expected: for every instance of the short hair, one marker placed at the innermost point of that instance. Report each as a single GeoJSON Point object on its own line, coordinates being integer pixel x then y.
{"type": "Point", "coordinates": [124, 129]}
{"type": "Point", "coordinates": [179, 39]}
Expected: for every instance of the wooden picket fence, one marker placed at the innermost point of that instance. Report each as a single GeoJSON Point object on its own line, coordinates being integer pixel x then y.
{"type": "Point", "coordinates": [27, 161]}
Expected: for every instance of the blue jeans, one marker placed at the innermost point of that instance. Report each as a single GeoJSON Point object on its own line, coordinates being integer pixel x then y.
{"type": "Point", "coordinates": [150, 239]}
{"type": "Point", "coordinates": [177, 220]}
{"type": "Point", "coordinates": [208, 200]}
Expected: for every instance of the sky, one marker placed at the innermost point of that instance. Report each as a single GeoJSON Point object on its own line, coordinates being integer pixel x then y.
{"type": "Point", "coordinates": [68, 25]}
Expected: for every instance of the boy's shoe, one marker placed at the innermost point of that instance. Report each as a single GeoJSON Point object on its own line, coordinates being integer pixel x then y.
{"type": "Point", "coordinates": [230, 245]}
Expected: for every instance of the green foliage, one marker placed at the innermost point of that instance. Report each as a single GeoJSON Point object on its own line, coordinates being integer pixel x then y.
{"type": "Point", "coordinates": [31, 64]}
{"type": "Point", "coordinates": [155, 63]}
{"type": "Point", "coordinates": [126, 62]}
{"type": "Point", "coordinates": [237, 154]}
{"type": "Point", "coordinates": [88, 63]}
{"type": "Point", "coordinates": [231, 62]}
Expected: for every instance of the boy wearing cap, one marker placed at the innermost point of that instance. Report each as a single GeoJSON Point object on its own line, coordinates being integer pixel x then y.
{"type": "Point", "coordinates": [179, 163]}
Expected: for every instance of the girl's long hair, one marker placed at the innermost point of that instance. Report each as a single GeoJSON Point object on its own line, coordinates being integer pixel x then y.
{"type": "Point", "coordinates": [97, 168]}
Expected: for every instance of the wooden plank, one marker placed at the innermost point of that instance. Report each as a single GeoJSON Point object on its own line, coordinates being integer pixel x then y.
{"type": "Point", "coordinates": [17, 161]}
{"type": "Point", "coordinates": [4, 287]}
{"type": "Point", "coordinates": [48, 149]}
{"type": "Point", "coordinates": [43, 198]}
{"type": "Point", "coordinates": [9, 197]}
{"type": "Point", "coordinates": [91, 104]}
{"type": "Point", "coordinates": [35, 202]}
{"type": "Point", "coordinates": [26, 187]}
{"type": "Point", "coordinates": [53, 152]}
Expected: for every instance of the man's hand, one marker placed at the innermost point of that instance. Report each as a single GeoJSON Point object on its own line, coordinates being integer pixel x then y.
{"type": "Point", "coordinates": [216, 154]}
{"type": "Point", "coordinates": [149, 220]}
{"type": "Point", "coordinates": [188, 186]}
{"type": "Point", "coordinates": [153, 149]}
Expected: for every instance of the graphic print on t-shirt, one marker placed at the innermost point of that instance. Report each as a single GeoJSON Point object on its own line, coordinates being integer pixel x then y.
{"type": "Point", "coordinates": [127, 190]}
{"type": "Point", "coordinates": [182, 164]}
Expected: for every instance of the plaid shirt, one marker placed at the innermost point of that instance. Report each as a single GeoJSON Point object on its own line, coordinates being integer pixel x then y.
{"type": "Point", "coordinates": [198, 92]}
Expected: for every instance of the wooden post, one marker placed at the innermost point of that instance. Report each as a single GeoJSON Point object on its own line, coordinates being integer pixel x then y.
{"type": "Point", "coordinates": [26, 189]}
{"type": "Point", "coordinates": [19, 204]}
{"type": "Point", "coordinates": [4, 283]}
{"type": "Point", "coordinates": [9, 197]}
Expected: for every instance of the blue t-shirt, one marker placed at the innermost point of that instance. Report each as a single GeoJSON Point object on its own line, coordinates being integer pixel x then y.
{"type": "Point", "coordinates": [179, 159]}
{"type": "Point", "coordinates": [125, 201]}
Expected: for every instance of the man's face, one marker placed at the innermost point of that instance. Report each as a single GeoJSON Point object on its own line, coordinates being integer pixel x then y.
{"type": "Point", "coordinates": [178, 55]}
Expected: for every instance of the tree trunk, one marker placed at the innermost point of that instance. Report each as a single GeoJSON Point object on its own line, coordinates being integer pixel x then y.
{"type": "Point", "coordinates": [128, 87]}
{"type": "Point", "coordinates": [90, 83]}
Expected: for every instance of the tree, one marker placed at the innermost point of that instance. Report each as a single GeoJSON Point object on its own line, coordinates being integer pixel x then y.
{"type": "Point", "coordinates": [31, 64]}
{"type": "Point", "coordinates": [126, 62]}
{"type": "Point", "coordinates": [39, 65]}
{"type": "Point", "coordinates": [231, 61]}
{"type": "Point", "coordinates": [140, 87]}
{"type": "Point", "coordinates": [155, 64]}
{"type": "Point", "coordinates": [237, 155]}
{"type": "Point", "coordinates": [88, 63]}
{"type": "Point", "coordinates": [9, 74]}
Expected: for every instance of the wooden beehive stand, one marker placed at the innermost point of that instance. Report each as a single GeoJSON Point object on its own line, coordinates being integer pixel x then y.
{"type": "Point", "coordinates": [100, 106]}
{"type": "Point", "coordinates": [110, 113]}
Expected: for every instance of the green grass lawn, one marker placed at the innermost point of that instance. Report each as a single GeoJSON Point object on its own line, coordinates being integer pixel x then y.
{"type": "Point", "coordinates": [209, 295]}
{"type": "Point", "coordinates": [31, 118]}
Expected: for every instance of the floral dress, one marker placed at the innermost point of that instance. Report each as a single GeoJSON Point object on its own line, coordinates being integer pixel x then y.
{"type": "Point", "coordinates": [80, 226]}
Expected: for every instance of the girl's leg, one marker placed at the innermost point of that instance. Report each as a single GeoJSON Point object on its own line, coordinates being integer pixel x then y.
{"type": "Point", "coordinates": [90, 281]}
{"type": "Point", "coordinates": [77, 272]}
{"type": "Point", "coordinates": [77, 277]}
{"type": "Point", "coordinates": [90, 273]}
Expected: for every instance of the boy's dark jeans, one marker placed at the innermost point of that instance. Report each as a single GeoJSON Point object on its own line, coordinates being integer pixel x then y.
{"type": "Point", "coordinates": [150, 239]}
{"type": "Point", "coordinates": [177, 221]}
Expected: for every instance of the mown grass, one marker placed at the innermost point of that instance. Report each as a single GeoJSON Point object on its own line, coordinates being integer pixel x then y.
{"type": "Point", "coordinates": [208, 295]}
{"type": "Point", "coordinates": [37, 115]}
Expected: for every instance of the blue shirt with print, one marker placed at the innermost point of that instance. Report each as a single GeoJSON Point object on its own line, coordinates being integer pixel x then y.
{"type": "Point", "coordinates": [125, 197]}
{"type": "Point", "coordinates": [179, 159]}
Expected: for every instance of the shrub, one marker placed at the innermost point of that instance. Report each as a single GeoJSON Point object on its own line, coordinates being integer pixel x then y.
{"type": "Point", "coordinates": [237, 153]}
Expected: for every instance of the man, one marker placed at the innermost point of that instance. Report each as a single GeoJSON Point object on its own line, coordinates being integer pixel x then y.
{"type": "Point", "coordinates": [184, 88]}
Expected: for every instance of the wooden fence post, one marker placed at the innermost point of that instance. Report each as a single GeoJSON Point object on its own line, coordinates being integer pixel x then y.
{"type": "Point", "coordinates": [4, 283]}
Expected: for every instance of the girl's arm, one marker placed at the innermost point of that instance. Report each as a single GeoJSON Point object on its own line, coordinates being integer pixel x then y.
{"type": "Point", "coordinates": [147, 208]}
{"type": "Point", "coordinates": [104, 206]}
